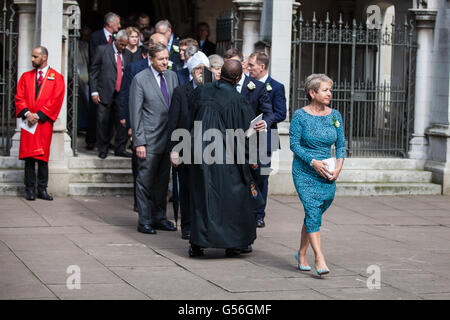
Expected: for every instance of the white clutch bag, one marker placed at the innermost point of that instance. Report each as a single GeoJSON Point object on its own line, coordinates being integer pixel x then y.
{"type": "Point", "coordinates": [331, 164]}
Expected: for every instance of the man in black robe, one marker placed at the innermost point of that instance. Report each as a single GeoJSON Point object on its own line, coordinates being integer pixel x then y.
{"type": "Point", "coordinates": [224, 192]}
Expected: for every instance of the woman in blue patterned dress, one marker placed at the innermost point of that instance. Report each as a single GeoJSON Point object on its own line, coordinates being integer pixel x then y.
{"type": "Point", "coordinates": [313, 131]}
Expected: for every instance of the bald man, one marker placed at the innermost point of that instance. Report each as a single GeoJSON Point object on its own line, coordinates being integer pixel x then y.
{"type": "Point", "coordinates": [39, 97]}
{"type": "Point", "coordinates": [228, 189]}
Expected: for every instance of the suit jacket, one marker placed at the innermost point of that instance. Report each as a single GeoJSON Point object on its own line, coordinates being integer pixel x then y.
{"type": "Point", "coordinates": [183, 76]}
{"type": "Point", "coordinates": [97, 38]}
{"type": "Point", "coordinates": [259, 99]}
{"type": "Point", "coordinates": [278, 99]}
{"type": "Point", "coordinates": [180, 116]}
{"type": "Point", "coordinates": [131, 71]}
{"type": "Point", "coordinates": [208, 48]}
{"type": "Point", "coordinates": [103, 73]}
{"type": "Point", "coordinates": [177, 63]}
{"type": "Point", "coordinates": [148, 110]}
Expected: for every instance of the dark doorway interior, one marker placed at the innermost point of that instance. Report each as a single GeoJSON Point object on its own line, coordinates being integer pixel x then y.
{"type": "Point", "coordinates": [179, 12]}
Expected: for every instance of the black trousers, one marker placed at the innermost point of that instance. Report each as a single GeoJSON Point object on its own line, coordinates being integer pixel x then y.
{"type": "Point", "coordinates": [134, 168]}
{"type": "Point", "coordinates": [183, 182]}
{"type": "Point", "coordinates": [107, 117]}
{"type": "Point", "coordinates": [30, 174]}
{"type": "Point", "coordinates": [152, 182]}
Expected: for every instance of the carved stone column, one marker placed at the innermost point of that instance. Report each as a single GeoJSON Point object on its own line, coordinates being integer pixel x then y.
{"type": "Point", "coordinates": [280, 181]}
{"type": "Point", "coordinates": [26, 12]}
{"type": "Point", "coordinates": [425, 20]}
{"type": "Point", "coordinates": [250, 17]}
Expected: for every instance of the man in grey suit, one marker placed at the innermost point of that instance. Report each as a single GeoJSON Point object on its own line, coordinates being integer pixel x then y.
{"type": "Point", "coordinates": [105, 78]}
{"type": "Point", "coordinates": [150, 94]}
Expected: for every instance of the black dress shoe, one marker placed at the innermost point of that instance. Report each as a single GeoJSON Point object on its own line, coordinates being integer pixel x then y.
{"type": "Point", "coordinates": [30, 196]}
{"type": "Point", "coordinates": [232, 252]}
{"type": "Point", "coordinates": [124, 154]}
{"type": "Point", "coordinates": [195, 251]}
{"type": "Point", "coordinates": [102, 155]}
{"type": "Point", "coordinates": [248, 249]}
{"type": "Point", "coordinates": [185, 234]}
{"type": "Point", "coordinates": [42, 194]}
{"type": "Point", "coordinates": [260, 223]}
{"type": "Point", "coordinates": [146, 228]}
{"type": "Point", "coordinates": [165, 225]}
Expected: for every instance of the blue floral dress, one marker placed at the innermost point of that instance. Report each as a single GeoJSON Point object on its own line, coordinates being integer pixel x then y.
{"type": "Point", "coordinates": [311, 137]}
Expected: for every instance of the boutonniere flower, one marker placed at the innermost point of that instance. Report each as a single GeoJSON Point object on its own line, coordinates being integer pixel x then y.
{"type": "Point", "coordinates": [268, 87]}
{"type": "Point", "coordinates": [176, 48]}
{"type": "Point", "coordinates": [51, 76]}
{"type": "Point", "coordinates": [170, 65]}
{"type": "Point", "coordinates": [251, 86]}
{"type": "Point", "coordinates": [336, 123]}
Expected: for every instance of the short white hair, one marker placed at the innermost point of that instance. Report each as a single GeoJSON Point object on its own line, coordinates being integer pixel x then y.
{"type": "Point", "coordinates": [216, 61]}
{"type": "Point", "coordinates": [164, 25]}
{"type": "Point", "coordinates": [313, 82]}
{"type": "Point", "coordinates": [122, 34]}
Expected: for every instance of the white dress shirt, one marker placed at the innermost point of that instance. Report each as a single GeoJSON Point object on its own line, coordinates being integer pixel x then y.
{"type": "Point", "coordinates": [240, 83]}
{"type": "Point", "coordinates": [44, 71]}
{"type": "Point", "coordinates": [156, 74]}
{"type": "Point", "coordinates": [107, 34]}
{"type": "Point", "coordinates": [264, 79]}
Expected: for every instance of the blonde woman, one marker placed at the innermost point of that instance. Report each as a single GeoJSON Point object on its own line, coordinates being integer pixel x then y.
{"type": "Point", "coordinates": [313, 131]}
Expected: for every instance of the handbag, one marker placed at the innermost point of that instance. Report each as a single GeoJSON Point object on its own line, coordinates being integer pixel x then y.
{"type": "Point", "coordinates": [331, 165]}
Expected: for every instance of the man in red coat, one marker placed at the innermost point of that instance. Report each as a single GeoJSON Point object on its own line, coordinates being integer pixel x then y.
{"type": "Point", "coordinates": [40, 94]}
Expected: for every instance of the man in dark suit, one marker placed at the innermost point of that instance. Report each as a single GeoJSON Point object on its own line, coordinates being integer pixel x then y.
{"type": "Point", "coordinates": [105, 78]}
{"type": "Point", "coordinates": [180, 117]}
{"type": "Point", "coordinates": [103, 36]}
{"type": "Point", "coordinates": [258, 67]}
{"type": "Point", "coordinates": [173, 44]}
{"type": "Point", "coordinates": [184, 75]}
{"type": "Point", "coordinates": [150, 95]}
{"type": "Point", "coordinates": [206, 46]}
{"type": "Point", "coordinates": [255, 93]}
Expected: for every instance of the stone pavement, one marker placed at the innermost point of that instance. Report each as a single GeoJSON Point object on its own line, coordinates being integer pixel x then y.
{"type": "Point", "coordinates": [407, 237]}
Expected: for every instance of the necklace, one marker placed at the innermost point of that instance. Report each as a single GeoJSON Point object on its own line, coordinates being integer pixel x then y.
{"type": "Point", "coordinates": [313, 112]}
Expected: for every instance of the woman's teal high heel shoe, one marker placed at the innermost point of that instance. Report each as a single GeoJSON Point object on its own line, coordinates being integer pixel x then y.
{"type": "Point", "coordinates": [322, 272]}
{"type": "Point", "coordinates": [300, 267]}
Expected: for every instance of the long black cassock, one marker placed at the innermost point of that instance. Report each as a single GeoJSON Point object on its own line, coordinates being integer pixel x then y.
{"type": "Point", "coordinates": [221, 198]}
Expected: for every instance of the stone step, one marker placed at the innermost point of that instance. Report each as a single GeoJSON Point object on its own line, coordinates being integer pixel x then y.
{"type": "Point", "coordinates": [101, 176]}
{"type": "Point", "coordinates": [7, 176]}
{"type": "Point", "coordinates": [384, 176]}
{"type": "Point", "coordinates": [11, 163]}
{"type": "Point", "coordinates": [12, 189]}
{"type": "Point", "coordinates": [382, 164]}
{"type": "Point", "coordinates": [387, 189]}
{"type": "Point", "coordinates": [100, 189]}
{"type": "Point", "coordinates": [93, 162]}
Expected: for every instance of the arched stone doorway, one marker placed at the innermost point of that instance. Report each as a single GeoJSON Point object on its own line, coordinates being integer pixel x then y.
{"type": "Point", "coordinates": [183, 14]}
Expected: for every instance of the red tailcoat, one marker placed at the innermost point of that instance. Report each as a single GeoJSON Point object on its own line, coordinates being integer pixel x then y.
{"type": "Point", "coordinates": [49, 101]}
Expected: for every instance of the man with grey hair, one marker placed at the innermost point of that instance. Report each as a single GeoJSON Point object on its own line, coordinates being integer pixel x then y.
{"type": "Point", "coordinates": [105, 79]}
{"type": "Point", "coordinates": [111, 24]}
{"type": "Point", "coordinates": [164, 27]}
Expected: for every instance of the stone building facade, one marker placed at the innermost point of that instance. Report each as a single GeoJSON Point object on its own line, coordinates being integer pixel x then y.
{"type": "Point", "coordinates": [46, 22]}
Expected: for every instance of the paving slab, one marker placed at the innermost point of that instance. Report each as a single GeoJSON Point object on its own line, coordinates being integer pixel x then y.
{"type": "Point", "coordinates": [405, 236]}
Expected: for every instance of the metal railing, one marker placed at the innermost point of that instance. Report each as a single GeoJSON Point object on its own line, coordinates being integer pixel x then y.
{"type": "Point", "coordinates": [8, 76]}
{"type": "Point", "coordinates": [227, 28]}
{"type": "Point", "coordinates": [376, 105]}
{"type": "Point", "coordinates": [73, 76]}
